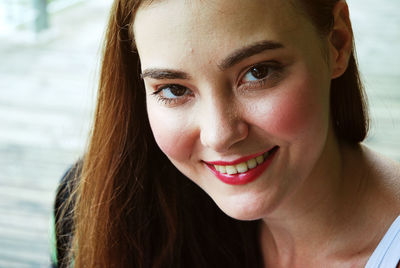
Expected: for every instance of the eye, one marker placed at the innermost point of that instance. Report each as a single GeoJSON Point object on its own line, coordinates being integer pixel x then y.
{"type": "Point", "coordinates": [256, 72]}
{"type": "Point", "coordinates": [265, 74]}
{"type": "Point", "coordinates": [172, 93]}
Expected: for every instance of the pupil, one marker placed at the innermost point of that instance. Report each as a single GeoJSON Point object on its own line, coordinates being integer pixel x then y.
{"type": "Point", "coordinates": [259, 72]}
{"type": "Point", "coordinates": [178, 91]}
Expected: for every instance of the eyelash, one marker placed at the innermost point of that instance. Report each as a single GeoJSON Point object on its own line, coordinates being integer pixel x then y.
{"type": "Point", "coordinates": [168, 101]}
{"type": "Point", "coordinates": [275, 70]}
{"type": "Point", "coordinates": [274, 74]}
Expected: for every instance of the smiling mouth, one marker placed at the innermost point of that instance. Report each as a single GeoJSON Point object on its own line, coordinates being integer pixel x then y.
{"type": "Point", "coordinates": [244, 170]}
{"type": "Point", "coordinates": [245, 165]}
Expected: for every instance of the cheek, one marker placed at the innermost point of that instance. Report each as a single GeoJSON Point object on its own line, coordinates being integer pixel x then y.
{"type": "Point", "coordinates": [171, 133]}
{"type": "Point", "coordinates": [298, 109]}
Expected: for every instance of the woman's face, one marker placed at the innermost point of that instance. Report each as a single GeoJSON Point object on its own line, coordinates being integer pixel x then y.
{"type": "Point", "coordinates": [233, 86]}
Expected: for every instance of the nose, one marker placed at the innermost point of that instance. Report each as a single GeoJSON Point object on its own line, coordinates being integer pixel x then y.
{"type": "Point", "coordinates": [222, 125]}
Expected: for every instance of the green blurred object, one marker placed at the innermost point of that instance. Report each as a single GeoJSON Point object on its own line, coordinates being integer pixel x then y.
{"type": "Point", "coordinates": [42, 18]}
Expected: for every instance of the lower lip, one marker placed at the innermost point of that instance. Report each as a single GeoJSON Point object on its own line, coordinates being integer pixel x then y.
{"type": "Point", "coordinates": [246, 177]}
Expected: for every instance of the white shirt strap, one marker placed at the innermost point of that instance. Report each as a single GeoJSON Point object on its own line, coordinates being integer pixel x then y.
{"type": "Point", "coordinates": [387, 254]}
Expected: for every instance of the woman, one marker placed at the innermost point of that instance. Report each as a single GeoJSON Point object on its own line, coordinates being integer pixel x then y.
{"type": "Point", "coordinates": [228, 133]}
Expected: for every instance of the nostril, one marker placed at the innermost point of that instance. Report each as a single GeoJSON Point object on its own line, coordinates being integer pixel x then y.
{"type": "Point", "coordinates": [222, 136]}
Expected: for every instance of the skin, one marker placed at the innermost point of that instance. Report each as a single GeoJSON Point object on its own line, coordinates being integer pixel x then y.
{"type": "Point", "coordinates": [317, 194]}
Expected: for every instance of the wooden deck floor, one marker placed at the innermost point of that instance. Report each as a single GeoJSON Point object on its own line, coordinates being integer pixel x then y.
{"type": "Point", "coordinates": [47, 90]}
{"type": "Point", "coordinates": [46, 100]}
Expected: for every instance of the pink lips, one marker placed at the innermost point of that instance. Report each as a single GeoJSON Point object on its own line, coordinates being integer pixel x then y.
{"type": "Point", "coordinates": [246, 177]}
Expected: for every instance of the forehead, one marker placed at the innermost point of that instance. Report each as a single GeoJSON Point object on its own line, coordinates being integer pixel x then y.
{"type": "Point", "coordinates": [173, 30]}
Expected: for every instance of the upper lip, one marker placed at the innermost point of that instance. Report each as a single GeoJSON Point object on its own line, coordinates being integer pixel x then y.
{"type": "Point", "coordinates": [236, 161]}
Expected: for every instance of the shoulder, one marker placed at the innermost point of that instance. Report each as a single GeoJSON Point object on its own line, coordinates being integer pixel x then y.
{"type": "Point", "coordinates": [377, 183]}
{"type": "Point", "coordinates": [387, 253]}
{"type": "Point", "coordinates": [380, 172]}
{"type": "Point", "coordinates": [384, 170]}
{"type": "Point", "coordinates": [64, 202]}
{"type": "Point", "coordinates": [383, 181]}
{"type": "Point", "coordinates": [63, 211]}
{"type": "Point", "coordinates": [69, 179]}
{"type": "Point", "coordinates": [384, 177]}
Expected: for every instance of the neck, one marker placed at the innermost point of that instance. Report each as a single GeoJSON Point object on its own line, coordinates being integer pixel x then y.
{"type": "Point", "coordinates": [319, 216]}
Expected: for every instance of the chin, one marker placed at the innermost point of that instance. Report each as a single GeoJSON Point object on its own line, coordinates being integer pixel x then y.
{"type": "Point", "coordinates": [244, 208]}
{"type": "Point", "coordinates": [243, 215]}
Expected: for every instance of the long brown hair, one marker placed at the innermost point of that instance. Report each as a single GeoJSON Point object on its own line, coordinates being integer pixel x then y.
{"type": "Point", "coordinates": [134, 208]}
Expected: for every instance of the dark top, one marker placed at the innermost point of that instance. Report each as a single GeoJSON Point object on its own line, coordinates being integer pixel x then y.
{"type": "Point", "coordinates": [63, 215]}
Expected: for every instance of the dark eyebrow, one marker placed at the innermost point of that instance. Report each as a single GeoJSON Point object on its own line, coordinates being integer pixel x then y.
{"type": "Point", "coordinates": [248, 51]}
{"type": "Point", "coordinates": [235, 57]}
{"type": "Point", "coordinates": [157, 73]}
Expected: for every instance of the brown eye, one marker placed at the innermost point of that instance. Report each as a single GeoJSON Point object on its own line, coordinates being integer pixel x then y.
{"type": "Point", "coordinates": [257, 72]}
{"type": "Point", "coordinates": [172, 93]}
{"type": "Point", "coordinates": [176, 90]}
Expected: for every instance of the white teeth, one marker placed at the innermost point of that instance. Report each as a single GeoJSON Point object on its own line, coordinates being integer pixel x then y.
{"type": "Point", "coordinates": [222, 169]}
{"type": "Point", "coordinates": [242, 167]}
{"type": "Point", "coordinates": [231, 170]}
{"type": "Point", "coordinates": [252, 163]}
{"type": "Point", "coordinates": [260, 159]}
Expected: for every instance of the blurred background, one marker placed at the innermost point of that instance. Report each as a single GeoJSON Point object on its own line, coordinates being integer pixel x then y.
{"type": "Point", "coordinates": [49, 54]}
{"type": "Point", "coordinates": [49, 60]}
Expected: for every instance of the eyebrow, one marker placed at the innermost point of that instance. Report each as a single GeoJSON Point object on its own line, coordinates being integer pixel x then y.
{"type": "Point", "coordinates": [231, 60]}
{"type": "Point", "coordinates": [157, 73]}
{"type": "Point", "coordinates": [248, 51]}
